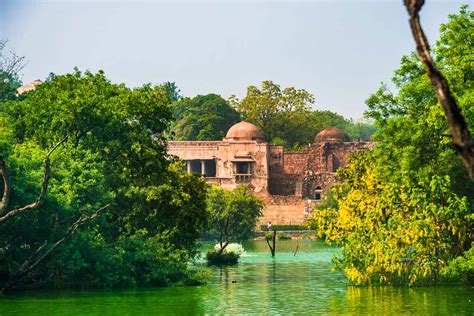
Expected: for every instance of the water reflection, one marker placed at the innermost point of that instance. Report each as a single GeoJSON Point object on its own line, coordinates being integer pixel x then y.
{"type": "Point", "coordinates": [286, 284]}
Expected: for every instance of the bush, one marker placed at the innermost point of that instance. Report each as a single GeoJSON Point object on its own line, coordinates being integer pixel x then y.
{"type": "Point", "coordinates": [284, 227]}
{"type": "Point", "coordinates": [134, 261]}
{"type": "Point", "coordinates": [229, 256]}
{"type": "Point", "coordinates": [232, 247]}
{"type": "Point", "coordinates": [226, 258]}
{"type": "Point", "coordinates": [461, 269]}
{"type": "Point", "coordinates": [283, 236]}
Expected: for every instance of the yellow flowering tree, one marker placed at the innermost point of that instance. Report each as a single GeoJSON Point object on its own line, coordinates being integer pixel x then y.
{"type": "Point", "coordinates": [402, 232]}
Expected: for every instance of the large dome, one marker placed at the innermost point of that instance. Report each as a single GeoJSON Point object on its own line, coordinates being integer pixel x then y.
{"type": "Point", "coordinates": [331, 134]}
{"type": "Point", "coordinates": [245, 131]}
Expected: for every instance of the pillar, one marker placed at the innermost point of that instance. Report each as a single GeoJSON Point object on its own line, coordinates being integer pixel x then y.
{"type": "Point", "coordinates": [203, 167]}
{"type": "Point", "coordinates": [188, 166]}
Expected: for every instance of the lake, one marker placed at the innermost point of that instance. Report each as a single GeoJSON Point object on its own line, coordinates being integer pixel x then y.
{"type": "Point", "coordinates": [290, 283]}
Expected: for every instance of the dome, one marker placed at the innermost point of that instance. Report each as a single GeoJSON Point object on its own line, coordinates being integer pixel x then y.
{"type": "Point", "coordinates": [245, 131]}
{"type": "Point", "coordinates": [331, 134]}
{"type": "Point", "coordinates": [28, 87]}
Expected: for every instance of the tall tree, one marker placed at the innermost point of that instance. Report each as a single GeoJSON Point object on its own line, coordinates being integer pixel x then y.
{"type": "Point", "coordinates": [204, 117]}
{"type": "Point", "coordinates": [108, 152]}
{"type": "Point", "coordinates": [276, 111]}
{"type": "Point", "coordinates": [462, 139]}
{"type": "Point", "coordinates": [405, 209]}
{"type": "Point", "coordinates": [233, 214]}
{"type": "Point", "coordinates": [173, 91]}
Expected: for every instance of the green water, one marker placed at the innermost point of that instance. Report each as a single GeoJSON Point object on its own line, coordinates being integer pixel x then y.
{"type": "Point", "coordinates": [288, 284]}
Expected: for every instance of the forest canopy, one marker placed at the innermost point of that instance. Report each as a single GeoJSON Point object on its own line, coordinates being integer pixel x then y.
{"type": "Point", "coordinates": [110, 155]}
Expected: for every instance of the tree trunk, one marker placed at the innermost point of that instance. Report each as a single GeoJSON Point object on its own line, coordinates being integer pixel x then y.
{"type": "Point", "coordinates": [272, 248]}
{"type": "Point", "coordinates": [462, 141]}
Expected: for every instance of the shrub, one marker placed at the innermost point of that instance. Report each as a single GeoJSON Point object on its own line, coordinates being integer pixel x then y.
{"type": "Point", "coordinates": [232, 247]}
{"type": "Point", "coordinates": [284, 227]}
{"type": "Point", "coordinates": [461, 269]}
{"type": "Point", "coordinates": [226, 258]}
{"type": "Point", "coordinates": [283, 236]}
{"type": "Point", "coordinates": [229, 256]}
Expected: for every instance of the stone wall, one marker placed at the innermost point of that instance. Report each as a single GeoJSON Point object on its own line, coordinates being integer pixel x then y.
{"type": "Point", "coordinates": [290, 183]}
{"type": "Point", "coordinates": [294, 162]}
{"type": "Point", "coordinates": [283, 210]}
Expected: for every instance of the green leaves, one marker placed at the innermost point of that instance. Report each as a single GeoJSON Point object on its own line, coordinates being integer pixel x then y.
{"type": "Point", "coordinates": [286, 116]}
{"type": "Point", "coordinates": [233, 214]}
{"type": "Point", "coordinates": [115, 154]}
{"type": "Point", "coordinates": [204, 117]}
{"type": "Point", "coordinates": [273, 109]}
{"type": "Point", "coordinates": [404, 210]}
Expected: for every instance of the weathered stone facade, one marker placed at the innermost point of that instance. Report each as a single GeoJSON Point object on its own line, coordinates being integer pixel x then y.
{"type": "Point", "coordinates": [290, 183]}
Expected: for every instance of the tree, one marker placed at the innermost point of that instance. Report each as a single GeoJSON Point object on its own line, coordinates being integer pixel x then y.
{"type": "Point", "coordinates": [412, 126]}
{"type": "Point", "coordinates": [233, 214]}
{"type": "Point", "coordinates": [204, 117]}
{"type": "Point", "coordinates": [108, 152]}
{"type": "Point", "coordinates": [462, 140]}
{"type": "Point", "coordinates": [404, 211]}
{"type": "Point", "coordinates": [394, 232]}
{"type": "Point", "coordinates": [10, 66]}
{"type": "Point", "coordinates": [286, 117]}
{"type": "Point", "coordinates": [173, 91]}
{"type": "Point", "coordinates": [273, 110]}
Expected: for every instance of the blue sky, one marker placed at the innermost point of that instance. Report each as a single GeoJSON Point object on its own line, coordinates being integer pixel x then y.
{"type": "Point", "coordinates": [338, 50]}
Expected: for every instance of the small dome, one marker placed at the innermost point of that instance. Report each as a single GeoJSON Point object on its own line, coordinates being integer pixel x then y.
{"type": "Point", "coordinates": [28, 87]}
{"type": "Point", "coordinates": [331, 134]}
{"type": "Point", "coordinates": [245, 131]}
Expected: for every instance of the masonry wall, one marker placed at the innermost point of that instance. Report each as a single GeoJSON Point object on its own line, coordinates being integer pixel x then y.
{"type": "Point", "coordinates": [225, 153]}
{"type": "Point", "coordinates": [287, 181]}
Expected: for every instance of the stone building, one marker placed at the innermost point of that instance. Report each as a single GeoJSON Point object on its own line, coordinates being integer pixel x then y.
{"type": "Point", "coordinates": [290, 183]}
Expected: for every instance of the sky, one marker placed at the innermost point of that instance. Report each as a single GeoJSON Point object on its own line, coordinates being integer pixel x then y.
{"type": "Point", "coordinates": [340, 51]}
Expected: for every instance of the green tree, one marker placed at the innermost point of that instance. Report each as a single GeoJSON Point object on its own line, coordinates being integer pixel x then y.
{"type": "Point", "coordinates": [204, 117]}
{"type": "Point", "coordinates": [233, 214]}
{"type": "Point", "coordinates": [405, 209]}
{"type": "Point", "coordinates": [277, 112]}
{"type": "Point", "coordinates": [394, 232]}
{"type": "Point", "coordinates": [10, 66]}
{"type": "Point", "coordinates": [111, 154]}
{"type": "Point", "coordinates": [173, 91]}
{"type": "Point", "coordinates": [286, 117]}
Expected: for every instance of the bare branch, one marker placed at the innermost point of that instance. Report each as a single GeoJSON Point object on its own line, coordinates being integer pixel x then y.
{"type": "Point", "coordinates": [44, 186]}
{"type": "Point", "coordinates": [33, 255]}
{"type": "Point", "coordinates": [29, 264]}
{"type": "Point", "coordinates": [12, 64]}
{"type": "Point", "coordinates": [462, 140]}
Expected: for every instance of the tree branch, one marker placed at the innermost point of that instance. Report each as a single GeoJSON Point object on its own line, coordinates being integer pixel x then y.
{"type": "Point", "coordinates": [44, 185]}
{"type": "Point", "coordinates": [462, 140]}
{"type": "Point", "coordinates": [31, 264]}
{"type": "Point", "coordinates": [6, 185]}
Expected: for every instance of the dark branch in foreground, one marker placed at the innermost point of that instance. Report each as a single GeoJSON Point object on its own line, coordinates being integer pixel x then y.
{"type": "Point", "coordinates": [44, 186]}
{"type": "Point", "coordinates": [35, 259]}
{"type": "Point", "coordinates": [462, 140]}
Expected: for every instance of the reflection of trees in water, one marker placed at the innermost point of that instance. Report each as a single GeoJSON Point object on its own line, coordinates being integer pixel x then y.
{"type": "Point", "coordinates": [387, 300]}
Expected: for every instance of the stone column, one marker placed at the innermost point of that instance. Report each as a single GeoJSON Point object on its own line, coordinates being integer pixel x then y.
{"type": "Point", "coordinates": [188, 166]}
{"type": "Point", "coordinates": [203, 167]}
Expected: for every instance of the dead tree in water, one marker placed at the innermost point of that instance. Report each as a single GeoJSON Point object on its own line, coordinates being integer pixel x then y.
{"type": "Point", "coordinates": [271, 236]}
{"type": "Point", "coordinates": [462, 140]}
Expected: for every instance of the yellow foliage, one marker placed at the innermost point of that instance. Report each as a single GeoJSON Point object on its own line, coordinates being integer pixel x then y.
{"type": "Point", "coordinates": [394, 233]}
